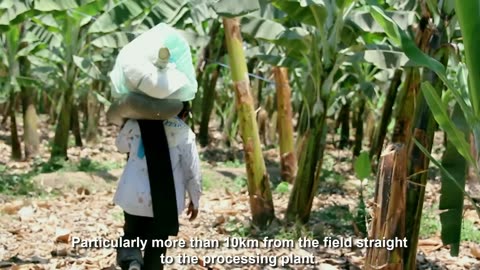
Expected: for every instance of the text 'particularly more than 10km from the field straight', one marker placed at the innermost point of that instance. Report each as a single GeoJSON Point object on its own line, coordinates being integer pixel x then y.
{"type": "Point", "coordinates": [238, 243]}
{"type": "Point", "coordinates": [243, 243]}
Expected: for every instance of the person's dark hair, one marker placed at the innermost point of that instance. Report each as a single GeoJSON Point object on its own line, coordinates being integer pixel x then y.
{"type": "Point", "coordinates": [187, 109]}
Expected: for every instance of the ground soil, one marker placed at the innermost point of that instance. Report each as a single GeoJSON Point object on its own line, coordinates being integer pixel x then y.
{"type": "Point", "coordinates": [36, 231]}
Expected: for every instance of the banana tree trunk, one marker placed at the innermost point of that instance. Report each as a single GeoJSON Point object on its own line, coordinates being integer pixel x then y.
{"type": "Point", "coordinates": [381, 131]}
{"type": "Point", "coordinates": [473, 179]}
{"type": "Point", "coordinates": [71, 32]}
{"type": "Point", "coordinates": [272, 132]}
{"type": "Point", "coordinates": [62, 131]}
{"type": "Point", "coordinates": [343, 123]}
{"type": "Point", "coordinates": [288, 160]}
{"type": "Point", "coordinates": [423, 131]}
{"type": "Point", "coordinates": [52, 108]}
{"type": "Point", "coordinates": [31, 139]}
{"type": "Point", "coordinates": [209, 83]}
{"type": "Point", "coordinates": [403, 125]}
{"type": "Point", "coordinates": [359, 121]}
{"type": "Point", "coordinates": [389, 213]}
{"type": "Point", "coordinates": [417, 167]}
{"type": "Point", "coordinates": [261, 203]}
{"type": "Point", "coordinates": [5, 113]}
{"type": "Point", "coordinates": [75, 126]}
{"type": "Point", "coordinates": [91, 133]}
{"type": "Point", "coordinates": [254, 82]}
{"type": "Point", "coordinates": [259, 86]}
{"type": "Point", "coordinates": [43, 103]}
{"type": "Point", "coordinates": [263, 126]}
{"type": "Point", "coordinates": [229, 132]}
{"type": "Point", "coordinates": [302, 122]}
{"type": "Point", "coordinates": [92, 115]}
{"type": "Point", "coordinates": [310, 160]}
{"type": "Point", "coordinates": [208, 101]}
{"type": "Point", "coordinates": [15, 140]}
{"type": "Point", "coordinates": [12, 38]}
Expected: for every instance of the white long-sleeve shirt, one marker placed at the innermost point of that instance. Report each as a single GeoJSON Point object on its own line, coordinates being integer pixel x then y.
{"type": "Point", "coordinates": [133, 191]}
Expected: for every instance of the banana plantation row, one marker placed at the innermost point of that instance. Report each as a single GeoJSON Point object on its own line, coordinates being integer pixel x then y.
{"type": "Point", "coordinates": [281, 65]}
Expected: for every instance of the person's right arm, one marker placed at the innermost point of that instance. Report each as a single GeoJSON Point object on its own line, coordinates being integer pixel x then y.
{"type": "Point", "coordinates": [126, 136]}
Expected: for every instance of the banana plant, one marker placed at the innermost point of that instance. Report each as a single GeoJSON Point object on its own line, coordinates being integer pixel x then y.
{"type": "Point", "coordinates": [10, 46]}
{"type": "Point", "coordinates": [467, 14]}
{"type": "Point", "coordinates": [16, 43]}
{"type": "Point", "coordinates": [259, 189]}
{"type": "Point", "coordinates": [456, 132]}
{"type": "Point", "coordinates": [321, 54]}
{"type": "Point", "coordinates": [67, 29]}
{"type": "Point", "coordinates": [292, 48]}
{"type": "Point", "coordinates": [275, 41]}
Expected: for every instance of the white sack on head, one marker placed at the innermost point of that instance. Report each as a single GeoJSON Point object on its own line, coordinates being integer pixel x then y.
{"type": "Point", "coordinates": [135, 69]}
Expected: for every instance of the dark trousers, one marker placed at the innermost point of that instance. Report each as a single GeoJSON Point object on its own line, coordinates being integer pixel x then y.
{"type": "Point", "coordinates": [143, 227]}
{"type": "Point", "coordinates": [164, 204]}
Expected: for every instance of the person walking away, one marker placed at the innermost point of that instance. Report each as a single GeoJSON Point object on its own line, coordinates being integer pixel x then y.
{"type": "Point", "coordinates": [163, 166]}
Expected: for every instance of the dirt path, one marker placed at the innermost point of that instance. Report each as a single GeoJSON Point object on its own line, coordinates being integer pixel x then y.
{"type": "Point", "coordinates": [37, 233]}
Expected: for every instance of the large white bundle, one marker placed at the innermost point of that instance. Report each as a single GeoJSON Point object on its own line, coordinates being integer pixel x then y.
{"type": "Point", "coordinates": [138, 69]}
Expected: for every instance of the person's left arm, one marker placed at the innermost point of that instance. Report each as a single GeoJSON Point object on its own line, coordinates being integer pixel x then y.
{"type": "Point", "coordinates": [192, 174]}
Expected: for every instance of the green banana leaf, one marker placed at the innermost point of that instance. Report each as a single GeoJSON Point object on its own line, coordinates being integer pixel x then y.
{"type": "Point", "coordinates": [311, 12]}
{"type": "Point", "coordinates": [13, 12]}
{"type": "Point", "coordinates": [468, 16]}
{"type": "Point", "coordinates": [451, 198]}
{"type": "Point", "coordinates": [365, 21]}
{"type": "Point", "coordinates": [469, 20]}
{"type": "Point", "coordinates": [231, 9]}
{"type": "Point", "coordinates": [268, 30]}
{"type": "Point", "coordinates": [88, 67]}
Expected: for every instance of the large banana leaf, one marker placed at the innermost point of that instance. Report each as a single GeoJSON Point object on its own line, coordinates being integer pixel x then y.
{"type": "Point", "coordinates": [231, 9]}
{"type": "Point", "coordinates": [448, 175]}
{"type": "Point", "coordinates": [113, 40]}
{"type": "Point", "coordinates": [53, 5]}
{"type": "Point", "coordinates": [194, 39]}
{"type": "Point", "coordinates": [451, 198]}
{"type": "Point", "coordinates": [281, 61]}
{"type": "Point", "coordinates": [311, 12]}
{"type": "Point", "coordinates": [14, 12]}
{"type": "Point", "coordinates": [268, 30]}
{"type": "Point", "coordinates": [88, 67]}
{"type": "Point", "coordinates": [468, 17]}
{"type": "Point", "coordinates": [119, 15]}
{"type": "Point", "coordinates": [383, 58]}
{"type": "Point", "coordinates": [170, 11]}
{"type": "Point", "coordinates": [365, 21]}
{"type": "Point", "coordinates": [454, 180]}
